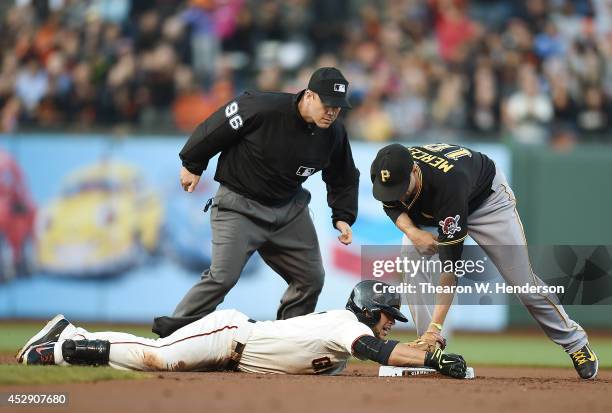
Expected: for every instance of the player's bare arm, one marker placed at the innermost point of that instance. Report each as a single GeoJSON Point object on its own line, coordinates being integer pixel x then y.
{"type": "Point", "coordinates": [425, 242]}
{"type": "Point", "coordinates": [405, 356]}
{"type": "Point", "coordinates": [432, 338]}
{"type": "Point", "coordinates": [443, 301]}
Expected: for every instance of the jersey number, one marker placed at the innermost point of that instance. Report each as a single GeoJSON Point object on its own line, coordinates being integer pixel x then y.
{"type": "Point", "coordinates": [321, 363]}
{"type": "Point", "coordinates": [452, 155]}
{"type": "Point", "coordinates": [235, 120]}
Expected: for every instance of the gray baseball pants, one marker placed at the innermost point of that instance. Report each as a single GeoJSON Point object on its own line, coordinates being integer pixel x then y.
{"type": "Point", "coordinates": [497, 228]}
{"type": "Point", "coordinates": [285, 238]}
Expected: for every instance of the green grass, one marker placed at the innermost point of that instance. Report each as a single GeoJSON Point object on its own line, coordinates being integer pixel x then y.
{"type": "Point", "coordinates": [517, 350]}
{"type": "Point", "coordinates": [27, 375]}
{"type": "Point", "coordinates": [15, 335]}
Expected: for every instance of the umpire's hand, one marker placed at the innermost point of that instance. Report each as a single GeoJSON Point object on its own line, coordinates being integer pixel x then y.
{"type": "Point", "coordinates": [188, 180]}
{"type": "Point", "coordinates": [346, 234]}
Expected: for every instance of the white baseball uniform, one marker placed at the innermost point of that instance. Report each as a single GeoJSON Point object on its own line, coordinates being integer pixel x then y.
{"type": "Point", "coordinates": [318, 343]}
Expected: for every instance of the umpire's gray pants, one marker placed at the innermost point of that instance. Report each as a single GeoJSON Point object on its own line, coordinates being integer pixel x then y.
{"type": "Point", "coordinates": [285, 238]}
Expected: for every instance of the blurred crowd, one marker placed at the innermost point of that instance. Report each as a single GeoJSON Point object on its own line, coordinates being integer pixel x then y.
{"type": "Point", "coordinates": [533, 71]}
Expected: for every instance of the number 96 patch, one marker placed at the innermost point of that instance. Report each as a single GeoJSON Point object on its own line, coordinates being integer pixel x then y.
{"type": "Point", "coordinates": [231, 112]}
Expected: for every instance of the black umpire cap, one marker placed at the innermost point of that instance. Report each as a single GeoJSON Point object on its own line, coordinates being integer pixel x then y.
{"type": "Point", "coordinates": [331, 87]}
{"type": "Point", "coordinates": [390, 172]}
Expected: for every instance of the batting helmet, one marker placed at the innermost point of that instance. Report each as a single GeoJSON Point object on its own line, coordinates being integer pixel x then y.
{"type": "Point", "coordinates": [368, 300]}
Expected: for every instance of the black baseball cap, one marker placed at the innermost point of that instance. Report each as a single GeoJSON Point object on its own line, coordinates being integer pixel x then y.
{"type": "Point", "coordinates": [390, 172]}
{"type": "Point", "coordinates": [331, 87]}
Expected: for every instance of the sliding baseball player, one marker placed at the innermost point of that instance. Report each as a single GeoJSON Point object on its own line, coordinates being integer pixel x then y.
{"type": "Point", "coordinates": [318, 343]}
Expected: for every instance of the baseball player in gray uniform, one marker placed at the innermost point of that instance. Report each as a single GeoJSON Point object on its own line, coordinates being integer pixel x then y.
{"type": "Point", "coordinates": [461, 192]}
{"type": "Point", "coordinates": [317, 343]}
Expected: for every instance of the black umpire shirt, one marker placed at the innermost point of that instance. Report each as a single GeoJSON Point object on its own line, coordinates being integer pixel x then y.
{"type": "Point", "coordinates": [453, 183]}
{"type": "Point", "coordinates": [268, 150]}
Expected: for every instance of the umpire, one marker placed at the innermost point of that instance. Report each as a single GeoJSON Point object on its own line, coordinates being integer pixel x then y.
{"type": "Point", "coordinates": [270, 143]}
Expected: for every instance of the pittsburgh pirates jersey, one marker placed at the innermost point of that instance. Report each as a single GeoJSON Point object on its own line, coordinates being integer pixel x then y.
{"type": "Point", "coordinates": [318, 343]}
{"type": "Point", "coordinates": [268, 150]}
{"type": "Point", "coordinates": [453, 181]}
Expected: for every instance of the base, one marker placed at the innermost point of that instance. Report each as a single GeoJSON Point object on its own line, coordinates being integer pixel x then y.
{"type": "Point", "coordinates": [391, 371]}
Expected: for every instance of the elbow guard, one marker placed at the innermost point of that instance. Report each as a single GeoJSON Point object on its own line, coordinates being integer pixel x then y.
{"type": "Point", "coordinates": [375, 349]}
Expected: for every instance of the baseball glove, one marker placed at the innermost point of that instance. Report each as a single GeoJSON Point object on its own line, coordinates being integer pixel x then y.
{"type": "Point", "coordinates": [429, 341]}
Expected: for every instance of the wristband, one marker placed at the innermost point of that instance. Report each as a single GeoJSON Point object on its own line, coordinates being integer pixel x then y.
{"type": "Point", "coordinates": [436, 325]}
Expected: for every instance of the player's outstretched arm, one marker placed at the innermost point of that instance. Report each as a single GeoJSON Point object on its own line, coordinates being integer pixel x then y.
{"type": "Point", "coordinates": [444, 301]}
{"type": "Point", "coordinates": [392, 353]}
{"type": "Point", "coordinates": [452, 365]}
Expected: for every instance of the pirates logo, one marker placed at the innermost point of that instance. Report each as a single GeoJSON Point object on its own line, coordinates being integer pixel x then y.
{"type": "Point", "coordinates": [385, 175]}
{"type": "Point", "coordinates": [450, 225]}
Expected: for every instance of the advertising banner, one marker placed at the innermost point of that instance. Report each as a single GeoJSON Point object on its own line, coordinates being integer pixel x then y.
{"type": "Point", "coordinates": [98, 228]}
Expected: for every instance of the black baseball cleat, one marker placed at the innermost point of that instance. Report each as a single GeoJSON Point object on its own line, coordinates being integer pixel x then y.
{"type": "Point", "coordinates": [585, 362]}
{"type": "Point", "coordinates": [46, 337]}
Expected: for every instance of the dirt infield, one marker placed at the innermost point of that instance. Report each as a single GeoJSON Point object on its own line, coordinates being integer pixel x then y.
{"type": "Point", "coordinates": [358, 390]}
{"type": "Point", "coordinates": [6, 358]}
